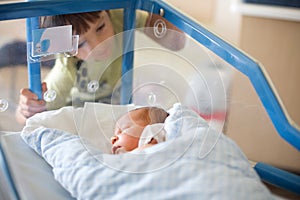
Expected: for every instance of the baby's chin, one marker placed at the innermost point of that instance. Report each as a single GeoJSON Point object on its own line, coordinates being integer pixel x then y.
{"type": "Point", "coordinates": [121, 150]}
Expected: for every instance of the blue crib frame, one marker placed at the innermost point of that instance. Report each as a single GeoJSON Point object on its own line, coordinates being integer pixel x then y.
{"type": "Point", "coordinates": [287, 129]}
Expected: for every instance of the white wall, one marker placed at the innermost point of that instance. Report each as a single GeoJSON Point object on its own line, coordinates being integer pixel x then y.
{"type": "Point", "coordinates": [216, 15]}
{"type": "Point", "coordinates": [227, 21]}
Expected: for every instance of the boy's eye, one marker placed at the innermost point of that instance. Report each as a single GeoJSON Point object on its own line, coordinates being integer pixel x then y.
{"type": "Point", "coordinates": [100, 27]}
{"type": "Point", "coordinates": [81, 44]}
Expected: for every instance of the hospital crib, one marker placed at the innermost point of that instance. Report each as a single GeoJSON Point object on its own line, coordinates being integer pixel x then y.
{"type": "Point", "coordinates": [145, 88]}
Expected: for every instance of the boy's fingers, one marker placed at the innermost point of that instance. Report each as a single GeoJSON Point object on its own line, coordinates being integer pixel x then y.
{"type": "Point", "coordinates": [30, 99]}
{"type": "Point", "coordinates": [44, 87]}
{"type": "Point", "coordinates": [25, 92]}
{"type": "Point", "coordinates": [29, 111]}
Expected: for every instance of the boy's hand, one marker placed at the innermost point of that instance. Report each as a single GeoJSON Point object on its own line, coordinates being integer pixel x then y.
{"type": "Point", "coordinates": [29, 104]}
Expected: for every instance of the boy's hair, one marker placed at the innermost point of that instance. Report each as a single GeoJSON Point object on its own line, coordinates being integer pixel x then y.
{"type": "Point", "coordinates": [79, 21]}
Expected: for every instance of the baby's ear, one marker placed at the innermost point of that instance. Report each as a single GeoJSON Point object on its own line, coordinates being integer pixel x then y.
{"type": "Point", "coordinates": [153, 141]}
{"type": "Point", "coordinates": [157, 115]}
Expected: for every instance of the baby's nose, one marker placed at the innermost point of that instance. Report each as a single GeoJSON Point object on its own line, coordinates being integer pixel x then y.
{"type": "Point", "coordinates": [113, 139]}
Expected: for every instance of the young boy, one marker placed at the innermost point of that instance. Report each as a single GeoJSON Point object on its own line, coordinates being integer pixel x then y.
{"type": "Point", "coordinates": [93, 28]}
{"type": "Point", "coordinates": [129, 129]}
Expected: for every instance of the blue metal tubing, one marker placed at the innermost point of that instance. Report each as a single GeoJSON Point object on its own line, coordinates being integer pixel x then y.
{"type": "Point", "coordinates": [56, 7]}
{"type": "Point", "coordinates": [34, 68]}
{"type": "Point", "coordinates": [7, 175]}
{"type": "Point", "coordinates": [278, 177]}
{"type": "Point", "coordinates": [237, 59]}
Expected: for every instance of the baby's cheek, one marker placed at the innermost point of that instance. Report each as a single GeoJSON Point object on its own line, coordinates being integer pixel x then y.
{"type": "Point", "coordinates": [131, 143]}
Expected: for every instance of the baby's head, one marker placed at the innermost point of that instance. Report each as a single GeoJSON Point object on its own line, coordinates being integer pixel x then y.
{"type": "Point", "coordinates": [130, 126]}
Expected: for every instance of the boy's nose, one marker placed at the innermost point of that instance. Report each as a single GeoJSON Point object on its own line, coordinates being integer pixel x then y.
{"type": "Point", "coordinates": [113, 139]}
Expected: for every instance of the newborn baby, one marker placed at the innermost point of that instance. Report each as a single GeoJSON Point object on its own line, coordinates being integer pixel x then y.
{"type": "Point", "coordinates": [138, 129]}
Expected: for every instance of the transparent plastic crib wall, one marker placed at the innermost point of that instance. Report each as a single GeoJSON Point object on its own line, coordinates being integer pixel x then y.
{"type": "Point", "coordinates": [240, 61]}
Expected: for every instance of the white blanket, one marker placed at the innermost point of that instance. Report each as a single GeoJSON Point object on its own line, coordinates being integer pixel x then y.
{"type": "Point", "coordinates": [195, 163]}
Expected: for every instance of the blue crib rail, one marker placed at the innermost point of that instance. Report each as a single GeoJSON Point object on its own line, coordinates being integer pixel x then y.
{"type": "Point", "coordinates": [278, 177]}
{"type": "Point", "coordinates": [11, 191]}
{"type": "Point", "coordinates": [287, 129]}
{"type": "Point", "coordinates": [34, 68]}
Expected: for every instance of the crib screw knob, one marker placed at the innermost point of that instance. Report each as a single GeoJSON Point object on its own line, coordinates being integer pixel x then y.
{"type": "Point", "coordinates": [3, 105]}
{"type": "Point", "coordinates": [151, 99]}
{"type": "Point", "coordinates": [161, 12]}
{"type": "Point", "coordinates": [93, 86]}
{"type": "Point", "coordinates": [50, 95]}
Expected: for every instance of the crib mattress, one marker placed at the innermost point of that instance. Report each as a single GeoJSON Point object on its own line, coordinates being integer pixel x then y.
{"type": "Point", "coordinates": [31, 176]}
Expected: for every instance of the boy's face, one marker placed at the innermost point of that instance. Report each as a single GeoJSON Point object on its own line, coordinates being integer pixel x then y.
{"type": "Point", "coordinates": [128, 130]}
{"type": "Point", "coordinates": [99, 31]}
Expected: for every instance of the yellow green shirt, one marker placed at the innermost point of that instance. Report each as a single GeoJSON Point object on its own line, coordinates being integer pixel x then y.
{"type": "Point", "coordinates": [62, 78]}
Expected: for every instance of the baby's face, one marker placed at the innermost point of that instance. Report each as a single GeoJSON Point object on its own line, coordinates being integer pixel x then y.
{"type": "Point", "coordinates": [127, 133]}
